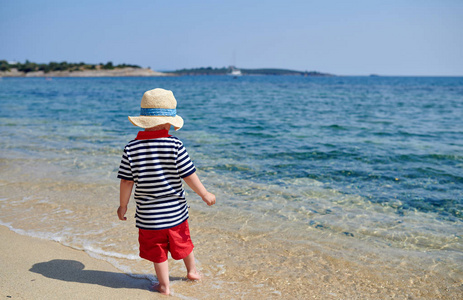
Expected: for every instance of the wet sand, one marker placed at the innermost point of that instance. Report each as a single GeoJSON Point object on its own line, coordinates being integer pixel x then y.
{"type": "Point", "coordinates": [33, 268]}
{"type": "Point", "coordinates": [242, 254]}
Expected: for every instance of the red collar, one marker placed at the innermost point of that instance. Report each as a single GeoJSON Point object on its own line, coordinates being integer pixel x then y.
{"type": "Point", "coordinates": [148, 135]}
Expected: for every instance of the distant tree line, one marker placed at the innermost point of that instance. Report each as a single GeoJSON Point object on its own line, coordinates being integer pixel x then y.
{"type": "Point", "coordinates": [59, 66]}
{"type": "Point", "coordinates": [224, 71]}
{"type": "Point", "coordinates": [202, 71]}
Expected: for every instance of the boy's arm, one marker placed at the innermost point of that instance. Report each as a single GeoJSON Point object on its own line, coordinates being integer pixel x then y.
{"type": "Point", "coordinates": [195, 184]}
{"type": "Point", "coordinates": [124, 197]}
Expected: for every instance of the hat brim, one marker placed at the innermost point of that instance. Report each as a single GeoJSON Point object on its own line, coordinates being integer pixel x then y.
{"type": "Point", "coordinates": [152, 121]}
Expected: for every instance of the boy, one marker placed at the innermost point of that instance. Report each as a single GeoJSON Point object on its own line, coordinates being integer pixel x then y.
{"type": "Point", "coordinates": [155, 162]}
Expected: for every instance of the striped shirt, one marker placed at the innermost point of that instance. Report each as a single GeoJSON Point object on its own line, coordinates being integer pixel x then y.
{"type": "Point", "coordinates": [156, 162]}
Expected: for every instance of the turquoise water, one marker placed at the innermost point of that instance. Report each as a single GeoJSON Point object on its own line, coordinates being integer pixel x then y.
{"type": "Point", "coordinates": [372, 161]}
{"type": "Point", "coordinates": [386, 139]}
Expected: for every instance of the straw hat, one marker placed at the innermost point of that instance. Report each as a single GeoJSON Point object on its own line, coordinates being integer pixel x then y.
{"type": "Point", "coordinates": [158, 107]}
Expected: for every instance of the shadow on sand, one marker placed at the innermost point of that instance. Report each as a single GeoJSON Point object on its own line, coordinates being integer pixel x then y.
{"type": "Point", "coordinates": [73, 271]}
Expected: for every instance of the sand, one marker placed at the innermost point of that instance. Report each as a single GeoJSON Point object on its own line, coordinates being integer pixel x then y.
{"type": "Point", "coordinates": [32, 268]}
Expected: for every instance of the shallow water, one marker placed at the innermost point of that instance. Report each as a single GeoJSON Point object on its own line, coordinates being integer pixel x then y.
{"type": "Point", "coordinates": [342, 187]}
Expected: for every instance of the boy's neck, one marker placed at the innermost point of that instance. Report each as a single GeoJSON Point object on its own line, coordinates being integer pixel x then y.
{"type": "Point", "coordinates": [158, 128]}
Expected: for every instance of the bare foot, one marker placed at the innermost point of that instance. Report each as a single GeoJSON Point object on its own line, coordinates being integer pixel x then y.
{"type": "Point", "coordinates": [161, 289]}
{"type": "Point", "coordinates": [193, 275]}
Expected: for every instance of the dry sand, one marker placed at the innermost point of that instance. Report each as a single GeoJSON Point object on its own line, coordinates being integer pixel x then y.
{"type": "Point", "coordinates": [32, 268]}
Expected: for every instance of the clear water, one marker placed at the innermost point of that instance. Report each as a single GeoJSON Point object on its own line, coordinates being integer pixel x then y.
{"type": "Point", "coordinates": [311, 174]}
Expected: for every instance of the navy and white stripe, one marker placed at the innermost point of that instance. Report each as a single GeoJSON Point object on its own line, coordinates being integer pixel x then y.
{"type": "Point", "coordinates": [157, 166]}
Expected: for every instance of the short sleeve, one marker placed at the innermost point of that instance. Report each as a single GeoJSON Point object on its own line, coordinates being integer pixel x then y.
{"type": "Point", "coordinates": [185, 166]}
{"type": "Point", "coordinates": [125, 171]}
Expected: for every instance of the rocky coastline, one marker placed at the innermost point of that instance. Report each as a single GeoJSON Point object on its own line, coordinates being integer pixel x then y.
{"type": "Point", "coordinates": [122, 72]}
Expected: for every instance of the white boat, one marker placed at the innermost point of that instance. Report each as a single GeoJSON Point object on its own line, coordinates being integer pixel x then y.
{"type": "Point", "coordinates": [235, 73]}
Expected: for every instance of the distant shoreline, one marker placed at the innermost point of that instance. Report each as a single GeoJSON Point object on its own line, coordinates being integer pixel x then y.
{"type": "Point", "coordinates": [262, 71]}
{"type": "Point", "coordinates": [123, 72]}
{"type": "Point", "coordinates": [66, 69]}
{"type": "Point", "coordinates": [128, 72]}
{"type": "Point", "coordinates": [147, 72]}
{"type": "Point", "coordinates": [69, 69]}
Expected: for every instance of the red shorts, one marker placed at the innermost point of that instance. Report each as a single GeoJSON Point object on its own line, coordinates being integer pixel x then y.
{"type": "Point", "coordinates": [154, 244]}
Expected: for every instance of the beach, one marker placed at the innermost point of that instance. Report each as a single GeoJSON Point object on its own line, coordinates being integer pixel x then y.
{"type": "Point", "coordinates": [352, 191]}
{"type": "Point", "coordinates": [240, 255]}
{"type": "Point", "coordinates": [33, 268]}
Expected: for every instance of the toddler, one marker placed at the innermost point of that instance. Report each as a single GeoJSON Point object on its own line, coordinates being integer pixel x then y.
{"type": "Point", "coordinates": [155, 162]}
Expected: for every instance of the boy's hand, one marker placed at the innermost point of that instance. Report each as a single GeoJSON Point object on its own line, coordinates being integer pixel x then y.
{"type": "Point", "coordinates": [209, 198]}
{"type": "Point", "coordinates": [121, 213]}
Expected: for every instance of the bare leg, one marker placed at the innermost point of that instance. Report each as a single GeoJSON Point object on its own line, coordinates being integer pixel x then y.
{"type": "Point", "coordinates": [162, 272]}
{"type": "Point", "coordinates": [190, 265]}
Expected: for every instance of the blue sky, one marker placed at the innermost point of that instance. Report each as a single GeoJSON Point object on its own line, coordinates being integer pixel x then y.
{"type": "Point", "coordinates": [408, 37]}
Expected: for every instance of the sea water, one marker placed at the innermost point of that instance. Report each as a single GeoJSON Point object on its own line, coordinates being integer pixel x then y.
{"type": "Point", "coordinates": [336, 187]}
